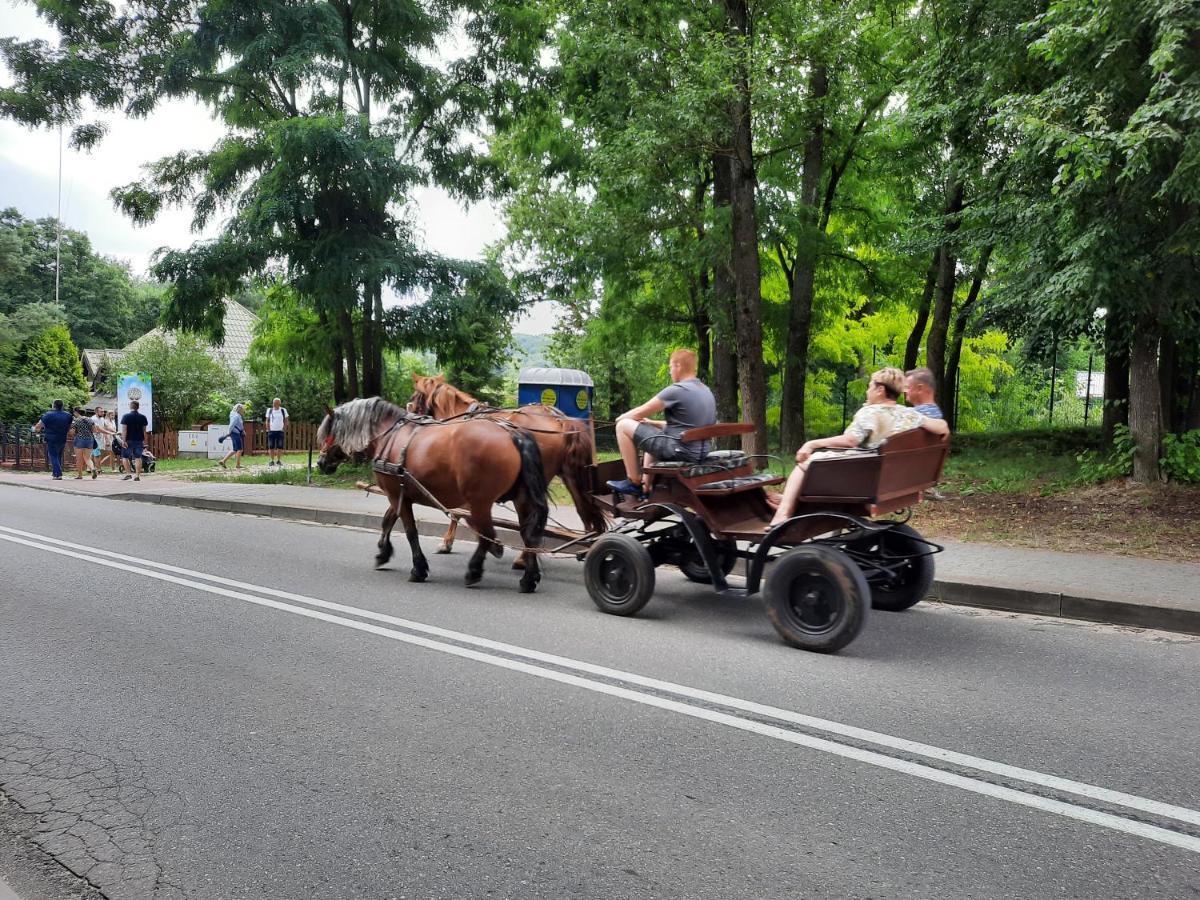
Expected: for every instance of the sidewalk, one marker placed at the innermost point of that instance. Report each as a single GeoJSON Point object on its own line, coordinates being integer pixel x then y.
{"type": "Point", "coordinates": [1090, 587]}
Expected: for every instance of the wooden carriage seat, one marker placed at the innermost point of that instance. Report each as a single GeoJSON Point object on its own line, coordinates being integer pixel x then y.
{"type": "Point", "coordinates": [888, 478]}
{"type": "Point", "coordinates": [721, 472]}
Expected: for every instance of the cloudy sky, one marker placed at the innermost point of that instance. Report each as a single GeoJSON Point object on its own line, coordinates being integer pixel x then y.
{"type": "Point", "coordinates": [29, 178]}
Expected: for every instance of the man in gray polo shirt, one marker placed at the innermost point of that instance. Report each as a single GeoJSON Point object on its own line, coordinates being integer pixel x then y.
{"type": "Point", "coordinates": [687, 403]}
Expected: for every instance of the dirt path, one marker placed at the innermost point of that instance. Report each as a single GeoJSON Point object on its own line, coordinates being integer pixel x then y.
{"type": "Point", "coordinates": [1153, 523]}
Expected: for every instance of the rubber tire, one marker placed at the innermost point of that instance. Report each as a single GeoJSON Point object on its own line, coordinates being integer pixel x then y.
{"type": "Point", "coordinates": [694, 569]}
{"type": "Point", "coordinates": [619, 574]}
{"type": "Point", "coordinates": [918, 578]}
{"type": "Point", "coordinates": [837, 581]}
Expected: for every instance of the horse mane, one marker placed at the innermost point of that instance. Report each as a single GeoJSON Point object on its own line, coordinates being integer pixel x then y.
{"type": "Point", "coordinates": [356, 423]}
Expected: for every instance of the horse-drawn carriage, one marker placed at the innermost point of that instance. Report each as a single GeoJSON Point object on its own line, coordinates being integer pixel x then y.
{"type": "Point", "coordinates": [819, 571]}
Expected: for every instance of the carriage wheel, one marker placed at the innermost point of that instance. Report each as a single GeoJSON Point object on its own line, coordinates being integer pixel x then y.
{"type": "Point", "coordinates": [619, 574]}
{"type": "Point", "coordinates": [913, 577]}
{"type": "Point", "coordinates": [816, 598]}
{"type": "Point", "coordinates": [691, 564]}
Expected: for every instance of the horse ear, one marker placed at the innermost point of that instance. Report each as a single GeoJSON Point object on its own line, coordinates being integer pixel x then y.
{"type": "Point", "coordinates": [417, 378]}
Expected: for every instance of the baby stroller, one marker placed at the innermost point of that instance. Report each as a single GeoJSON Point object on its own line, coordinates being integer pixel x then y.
{"type": "Point", "coordinates": [148, 462]}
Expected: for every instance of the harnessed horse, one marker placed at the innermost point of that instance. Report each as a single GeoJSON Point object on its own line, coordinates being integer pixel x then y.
{"type": "Point", "coordinates": [565, 443]}
{"type": "Point", "coordinates": [472, 464]}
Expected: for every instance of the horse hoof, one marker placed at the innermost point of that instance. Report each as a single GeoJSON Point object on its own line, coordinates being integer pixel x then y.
{"type": "Point", "coordinates": [472, 578]}
{"type": "Point", "coordinates": [443, 549]}
{"type": "Point", "coordinates": [527, 588]}
{"type": "Point", "coordinates": [417, 576]}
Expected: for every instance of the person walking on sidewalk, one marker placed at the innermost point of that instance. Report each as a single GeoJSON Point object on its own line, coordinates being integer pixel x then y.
{"type": "Point", "coordinates": [277, 421]}
{"type": "Point", "coordinates": [56, 423]}
{"type": "Point", "coordinates": [84, 444]}
{"type": "Point", "coordinates": [237, 437]}
{"type": "Point", "coordinates": [133, 435]}
{"type": "Point", "coordinates": [104, 429]}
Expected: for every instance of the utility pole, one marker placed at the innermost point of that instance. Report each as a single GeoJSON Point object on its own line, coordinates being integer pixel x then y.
{"type": "Point", "coordinates": [58, 220]}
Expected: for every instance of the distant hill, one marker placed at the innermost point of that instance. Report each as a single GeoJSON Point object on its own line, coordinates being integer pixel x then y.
{"type": "Point", "coordinates": [531, 350]}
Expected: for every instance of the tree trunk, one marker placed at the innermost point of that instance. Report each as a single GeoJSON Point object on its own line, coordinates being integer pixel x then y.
{"type": "Point", "coordinates": [336, 362]}
{"type": "Point", "coordinates": [1116, 380]}
{"type": "Point", "coordinates": [346, 326]}
{"type": "Point", "coordinates": [960, 330]}
{"type": "Point", "coordinates": [746, 273]}
{"type": "Point", "coordinates": [912, 351]}
{"type": "Point", "coordinates": [1145, 403]}
{"type": "Point", "coordinates": [1168, 384]}
{"type": "Point", "coordinates": [791, 414]}
{"type": "Point", "coordinates": [370, 378]}
{"type": "Point", "coordinates": [943, 305]}
{"type": "Point", "coordinates": [723, 302]}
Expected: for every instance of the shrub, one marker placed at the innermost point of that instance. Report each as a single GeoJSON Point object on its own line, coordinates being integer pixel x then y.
{"type": "Point", "coordinates": [1181, 457]}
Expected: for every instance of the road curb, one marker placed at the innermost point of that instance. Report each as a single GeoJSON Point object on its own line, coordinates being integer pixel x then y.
{"type": "Point", "coordinates": [954, 593]}
{"type": "Point", "coordinates": [1065, 606]}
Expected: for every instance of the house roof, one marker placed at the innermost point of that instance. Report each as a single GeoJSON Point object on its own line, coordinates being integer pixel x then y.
{"type": "Point", "coordinates": [239, 332]}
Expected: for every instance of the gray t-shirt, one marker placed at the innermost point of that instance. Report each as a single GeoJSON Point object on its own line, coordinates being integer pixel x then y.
{"type": "Point", "coordinates": [689, 404]}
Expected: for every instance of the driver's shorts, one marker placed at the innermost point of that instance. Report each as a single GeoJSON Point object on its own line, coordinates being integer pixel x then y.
{"type": "Point", "coordinates": [651, 439]}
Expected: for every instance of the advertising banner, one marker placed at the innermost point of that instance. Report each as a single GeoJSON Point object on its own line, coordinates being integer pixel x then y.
{"type": "Point", "coordinates": [135, 386]}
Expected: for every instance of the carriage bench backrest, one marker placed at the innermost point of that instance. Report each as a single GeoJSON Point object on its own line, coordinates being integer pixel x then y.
{"type": "Point", "coordinates": [904, 465]}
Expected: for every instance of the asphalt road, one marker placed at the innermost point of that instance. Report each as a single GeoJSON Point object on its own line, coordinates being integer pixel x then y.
{"type": "Point", "coordinates": [209, 726]}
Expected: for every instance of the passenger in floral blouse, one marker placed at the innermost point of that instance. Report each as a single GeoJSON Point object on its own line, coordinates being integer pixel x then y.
{"type": "Point", "coordinates": [873, 424]}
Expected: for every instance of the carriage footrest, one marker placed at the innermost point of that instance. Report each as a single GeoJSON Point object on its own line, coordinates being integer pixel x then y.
{"type": "Point", "coordinates": [387, 468]}
{"type": "Point", "coordinates": [745, 483]}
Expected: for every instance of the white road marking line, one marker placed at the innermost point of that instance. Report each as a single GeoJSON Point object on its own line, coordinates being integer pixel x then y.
{"type": "Point", "coordinates": [870, 757]}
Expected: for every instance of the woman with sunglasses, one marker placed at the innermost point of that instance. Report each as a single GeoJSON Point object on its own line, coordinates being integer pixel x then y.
{"type": "Point", "coordinates": [873, 424]}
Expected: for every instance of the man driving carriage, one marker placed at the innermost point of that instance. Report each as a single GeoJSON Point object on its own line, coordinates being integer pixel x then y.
{"type": "Point", "coordinates": [687, 403]}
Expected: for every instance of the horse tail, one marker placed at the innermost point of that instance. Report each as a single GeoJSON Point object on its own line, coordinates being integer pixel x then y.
{"type": "Point", "coordinates": [576, 475]}
{"type": "Point", "coordinates": [532, 479]}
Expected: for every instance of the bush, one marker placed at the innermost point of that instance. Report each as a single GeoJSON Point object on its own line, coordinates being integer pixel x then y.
{"type": "Point", "coordinates": [1181, 457]}
{"type": "Point", "coordinates": [1095, 466]}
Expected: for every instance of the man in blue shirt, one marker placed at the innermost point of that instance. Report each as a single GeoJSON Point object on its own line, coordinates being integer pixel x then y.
{"type": "Point", "coordinates": [918, 391]}
{"type": "Point", "coordinates": [133, 436]}
{"type": "Point", "coordinates": [56, 423]}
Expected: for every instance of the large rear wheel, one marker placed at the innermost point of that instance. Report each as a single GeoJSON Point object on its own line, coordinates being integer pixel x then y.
{"type": "Point", "coordinates": [619, 574]}
{"type": "Point", "coordinates": [816, 598]}
{"type": "Point", "coordinates": [692, 563]}
{"type": "Point", "coordinates": [905, 567]}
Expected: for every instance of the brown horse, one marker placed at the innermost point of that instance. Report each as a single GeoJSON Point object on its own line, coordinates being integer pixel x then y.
{"type": "Point", "coordinates": [473, 464]}
{"type": "Point", "coordinates": [566, 443]}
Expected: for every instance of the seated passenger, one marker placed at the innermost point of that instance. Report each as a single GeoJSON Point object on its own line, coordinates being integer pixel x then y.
{"type": "Point", "coordinates": [874, 423]}
{"type": "Point", "coordinates": [687, 402]}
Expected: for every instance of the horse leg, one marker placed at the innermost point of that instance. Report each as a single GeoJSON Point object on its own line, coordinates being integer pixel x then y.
{"type": "Point", "coordinates": [420, 568]}
{"type": "Point", "coordinates": [385, 538]}
{"type": "Point", "coordinates": [531, 536]}
{"type": "Point", "coordinates": [481, 521]}
{"type": "Point", "coordinates": [448, 537]}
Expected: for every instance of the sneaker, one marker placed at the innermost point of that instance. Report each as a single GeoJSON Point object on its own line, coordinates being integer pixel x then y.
{"type": "Point", "coordinates": [126, 477]}
{"type": "Point", "coordinates": [934, 494]}
{"type": "Point", "coordinates": [137, 477]}
{"type": "Point", "coordinates": [625, 486]}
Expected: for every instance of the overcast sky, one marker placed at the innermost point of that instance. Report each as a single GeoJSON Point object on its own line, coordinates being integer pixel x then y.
{"type": "Point", "coordinates": [29, 177]}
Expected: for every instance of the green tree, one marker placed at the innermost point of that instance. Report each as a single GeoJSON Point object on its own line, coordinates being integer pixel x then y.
{"type": "Point", "coordinates": [52, 357]}
{"type": "Point", "coordinates": [333, 114]}
{"type": "Point", "coordinates": [1110, 151]}
{"type": "Point", "coordinates": [185, 378]}
{"type": "Point", "coordinates": [102, 304]}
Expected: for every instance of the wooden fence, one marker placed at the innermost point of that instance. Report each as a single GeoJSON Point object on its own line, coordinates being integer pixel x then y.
{"type": "Point", "coordinates": [21, 448]}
